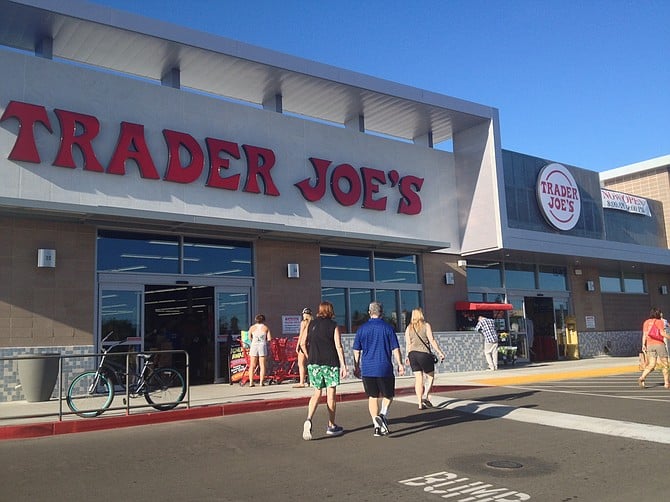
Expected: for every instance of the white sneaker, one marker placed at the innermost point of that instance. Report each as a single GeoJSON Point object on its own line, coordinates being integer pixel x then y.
{"type": "Point", "coordinates": [307, 430]}
{"type": "Point", "coordinates": [382, 424]}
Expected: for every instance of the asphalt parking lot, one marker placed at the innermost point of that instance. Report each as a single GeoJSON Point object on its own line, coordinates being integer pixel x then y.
{"type": "Point", "coordinates": [508, 443]}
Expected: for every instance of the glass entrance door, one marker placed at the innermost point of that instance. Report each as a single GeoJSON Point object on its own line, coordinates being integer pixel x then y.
{"type": "Point", "coordinates": [120, 314]}
{"type": "Point", "coordinates": [233, 315]}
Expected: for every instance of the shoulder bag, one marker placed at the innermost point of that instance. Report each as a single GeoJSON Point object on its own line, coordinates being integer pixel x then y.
{"type": "Point", "coordinates": [427, 346]}
{"type": "Point", "coordinates": [655, 333]}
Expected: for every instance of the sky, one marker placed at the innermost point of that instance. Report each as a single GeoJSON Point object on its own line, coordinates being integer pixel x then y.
{"type": "Point", "coordinates": [581, 82]}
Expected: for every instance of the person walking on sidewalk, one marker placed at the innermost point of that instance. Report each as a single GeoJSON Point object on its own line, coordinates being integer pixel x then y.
{"type": "Point", "coordinates": [418, 339]}
{"type": "Point", "coordinates": [487, 327]}
{"type": "Point", "coordinates": [375, 347]}
{"type": "Point", "coordinates": [302, 359]}
{"type": "Point", "coordinates": [325, 366]}
{"type": "Point", "coordinates": [653, 344]}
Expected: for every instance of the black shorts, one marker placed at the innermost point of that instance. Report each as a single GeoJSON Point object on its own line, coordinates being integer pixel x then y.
{"type": "Point", "coordinates": [379, 386]}
{"type": "Point", "coordinates": [421, 361]}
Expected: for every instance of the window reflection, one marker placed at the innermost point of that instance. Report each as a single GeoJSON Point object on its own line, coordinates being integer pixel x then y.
{"type": "Point", "coordinates": [210, 257]}
{"type": "Point", "coordinates": [160, 254]}
{"type": "Point", "coordinates": [553, 278]}
{"type": "Point", "coordinates": [484, 274]}
{"type": "Point", "coordinates": [338, 266]}
{"type": "Point", "coordinates": [128, 252]}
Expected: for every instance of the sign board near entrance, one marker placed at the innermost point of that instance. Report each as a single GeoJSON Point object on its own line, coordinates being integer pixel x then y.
{"type": "Point", "coordinates": [238, 361]}
{"type": "Point", "coordinates": [290, 324]}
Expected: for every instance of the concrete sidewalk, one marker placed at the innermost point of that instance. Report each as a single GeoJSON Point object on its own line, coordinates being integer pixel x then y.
{"type": "Point", "coordinates": [22, 419]}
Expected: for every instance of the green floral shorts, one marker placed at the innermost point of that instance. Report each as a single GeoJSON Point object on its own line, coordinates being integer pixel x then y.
{"type": "Point", "coordinates": [322, 376]}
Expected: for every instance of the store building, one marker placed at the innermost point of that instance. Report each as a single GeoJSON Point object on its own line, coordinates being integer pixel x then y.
{"type": "Point", "coordinates": [167, 185]}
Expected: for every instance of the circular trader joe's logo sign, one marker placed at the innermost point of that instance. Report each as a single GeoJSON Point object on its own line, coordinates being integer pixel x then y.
{"type": "Point", "coordinates": [558, 196]}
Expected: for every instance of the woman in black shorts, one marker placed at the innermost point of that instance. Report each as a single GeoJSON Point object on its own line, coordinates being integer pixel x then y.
{"type": "Point", "coordinates": [418, 339]}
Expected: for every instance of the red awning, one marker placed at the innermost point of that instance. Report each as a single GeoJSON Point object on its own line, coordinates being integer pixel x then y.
{"type": "Point", "coordinates": [483, 306]}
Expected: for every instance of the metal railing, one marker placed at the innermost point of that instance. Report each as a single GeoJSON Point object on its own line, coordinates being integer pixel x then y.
{"type": "Point", "coordinates": [60, 398]}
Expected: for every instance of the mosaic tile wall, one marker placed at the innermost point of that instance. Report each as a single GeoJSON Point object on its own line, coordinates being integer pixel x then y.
{"type": "Point", "coordinates": [10, 386]}
{"type": "Point", "coordinates": [609, 343]}
{"type": "Point", "coordinates": [463, 350]}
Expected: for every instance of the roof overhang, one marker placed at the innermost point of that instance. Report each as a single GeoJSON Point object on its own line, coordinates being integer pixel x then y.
{"type": "Point", "coordinates": [118, 41]}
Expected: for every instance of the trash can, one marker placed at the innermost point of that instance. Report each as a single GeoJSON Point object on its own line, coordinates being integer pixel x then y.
{"type": "Point", "coordinates": [38, 374]}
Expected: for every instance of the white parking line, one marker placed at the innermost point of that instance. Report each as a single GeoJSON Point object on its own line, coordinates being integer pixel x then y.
{"type": "Point", "coordinates": [618, 428]}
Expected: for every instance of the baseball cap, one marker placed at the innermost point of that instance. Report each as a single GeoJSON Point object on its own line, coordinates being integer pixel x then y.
{"type": "Point", "coordinates": [307, 310]}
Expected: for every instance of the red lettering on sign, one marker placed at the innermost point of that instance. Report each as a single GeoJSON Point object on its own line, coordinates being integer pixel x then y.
{"type": "Point", "coordinates": [371, 187]}
{"type": "Point", "coordinates": [132, 135]}
{"type": "Point", "coordinates": [346, 173]}
{"type": "Point", "coordinates": [28, 115]}
{"type": "Point", "coordinates": [186, 161]}
{"type": "Point", "coordinates": [259, 162]}
{"type": "Point", "coordinates": [316, 192]}
{"type": "Point", "coordinates": [176, 171]}
{"type": "Point", "coordinates": [90, 127]}
{"type": "Point", "coordinates": [215, 147]}
{"type": "Point", "coordinates": [410, 203]}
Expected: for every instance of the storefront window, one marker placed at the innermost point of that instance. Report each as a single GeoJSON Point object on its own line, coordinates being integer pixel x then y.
{"type": "Point", "coordinates": [161, 254]}
{"type": "Point", "coordinates": [337, 296]}
{"type": "Point", "coordinates": [396, 268]}
{"type": "Point", "coordinates": [519, 276]}
{"type": "Point", "coordinates": [409, 300]}
{"type": "Point", "coordinates": [633, 283]}
{"type": "Point", "coordinates": [553, 278]}
{"type": "Point", "coordinates": [140, 253]}
{"type": "Point", "coordinates": [342, 269]}
{"type": "Point", "coordinates": [211, 257]}
{"type": "Point", "coordinates": [360, 301]}
{"type": "Point", "coordinates": [486, 275]}
{"type": "Point", "coordinates": [345, 265]}
{"type": "Point", "coordinates": [388, 299]}
{"type": "Point", "coordinates": [610, 283]}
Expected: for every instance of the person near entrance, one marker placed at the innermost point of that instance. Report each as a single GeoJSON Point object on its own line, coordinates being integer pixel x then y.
{"type": "Point", "coordinates": [653, 344]}
{"type": "Point", "coordinates": [325, 365]}
{"type": "Point", "coordinates": [302, 359]}
{"type": "Point", "coordinates": [418, 339]}
{"type": "Point", "coordinates": [375, 347]}
{"type": "Point", "coordinates": [487, 327]}
{"type": "Point", "coordinates": [258, 349]}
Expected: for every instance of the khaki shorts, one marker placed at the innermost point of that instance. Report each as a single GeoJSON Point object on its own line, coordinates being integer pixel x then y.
{"type": "Point", "coordinates": [657, 350]}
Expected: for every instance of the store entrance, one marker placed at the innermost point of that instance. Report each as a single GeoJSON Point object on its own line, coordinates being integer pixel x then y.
{"type": "Point", "coordinates": [540, 330]}
{"type": "Point", "coordinates": [182, 318]}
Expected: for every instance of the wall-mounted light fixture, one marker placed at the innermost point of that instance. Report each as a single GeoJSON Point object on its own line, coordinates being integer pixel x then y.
{"type": "Point", "coordinates": [590, 286]}
{"type": "Point", "coordinates": [578, 271]}
{"type": "Point", "coordinates": [46, 258]}
{"type": "Point", "coordinates": [449, 278]}
{"type": "Point", "coordinates": [293, 271]}
{"type": "Point", "coordinates": [462, 264]}
{"type": "Point", "coordinates": [663, 289]}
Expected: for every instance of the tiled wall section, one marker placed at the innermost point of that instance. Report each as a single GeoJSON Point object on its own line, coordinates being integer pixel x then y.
{"type": "Point", "coordinates": [463, 350]}
{"type": "Point", "coordinates": [609, 343]}
{"type": "Point", "coordinates": [10, 389]}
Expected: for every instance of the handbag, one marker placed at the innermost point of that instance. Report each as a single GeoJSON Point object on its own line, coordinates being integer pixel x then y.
{"type": "Point", "coordinates": [655, 333]}
{"type": "Point", "coordinates": [435, 359]}
{"type": "Point", "coordinates": [642, 360]}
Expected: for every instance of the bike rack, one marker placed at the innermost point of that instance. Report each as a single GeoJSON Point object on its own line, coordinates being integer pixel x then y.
{"type": "Point", "coordinates": [61, 398]}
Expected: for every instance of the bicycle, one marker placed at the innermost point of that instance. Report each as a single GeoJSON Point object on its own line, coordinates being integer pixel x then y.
{"type": "Point", "coordinates": [92, 392]}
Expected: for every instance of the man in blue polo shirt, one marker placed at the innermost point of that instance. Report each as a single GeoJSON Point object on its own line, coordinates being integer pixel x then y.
{"type": "Point", "coordinates": [375, 347]}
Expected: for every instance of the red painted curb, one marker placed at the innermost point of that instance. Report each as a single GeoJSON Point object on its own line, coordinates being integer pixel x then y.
{"type": "Point", "coordinates": [35, 430]}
